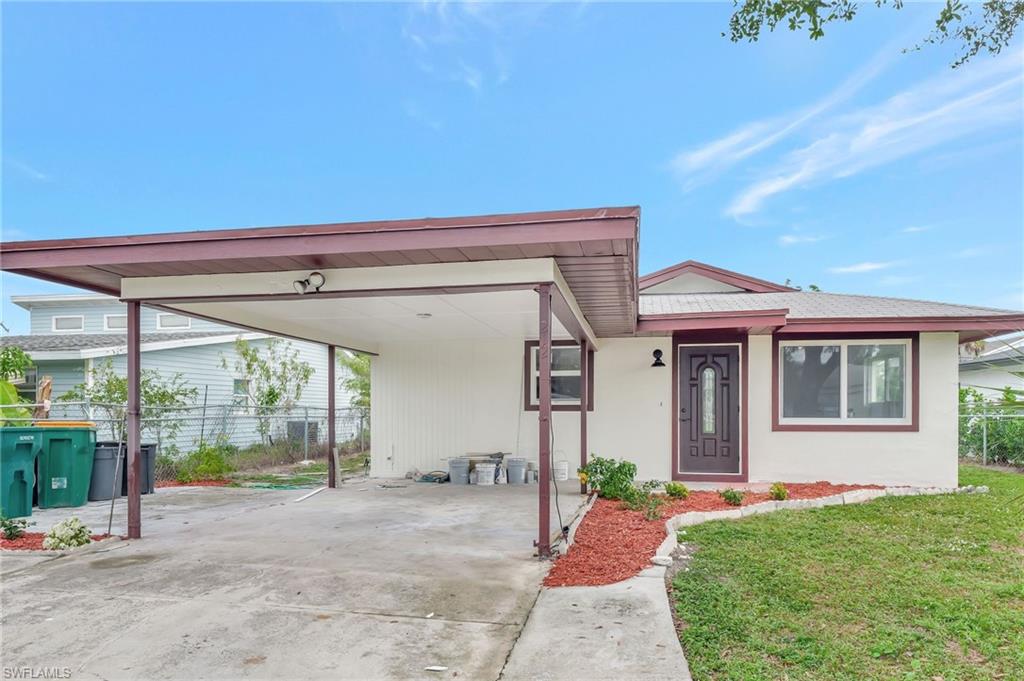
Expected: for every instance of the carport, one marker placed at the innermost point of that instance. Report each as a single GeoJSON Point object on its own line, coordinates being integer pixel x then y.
{"type": "Point", "coordinates": [563, 275]}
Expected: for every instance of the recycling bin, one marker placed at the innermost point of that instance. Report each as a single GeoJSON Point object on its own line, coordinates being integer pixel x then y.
{"type": "Point", "coordinates": [66, 450]}
{"type": "Point", "coordinates": [19, 447]}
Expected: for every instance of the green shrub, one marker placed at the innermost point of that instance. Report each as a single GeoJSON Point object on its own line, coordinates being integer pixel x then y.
{"type": "Point", "coordinates": [209, 462]}
{"type": "Point", "coordinates": [677, 490]}
{"type": "Point", "coordinates": [778, 492]}
{"type": "Point", "coordinates": [12, 528]}
{"type": "Point", "coordinates": [732, 497]}
{"type": "Point", "coordinates": [612, 479]}
{"type": "Point", "coordinates": [67, 534]}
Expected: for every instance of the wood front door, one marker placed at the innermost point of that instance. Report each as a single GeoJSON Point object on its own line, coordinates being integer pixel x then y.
{"type": "Point", "coordinates": [709, 409]}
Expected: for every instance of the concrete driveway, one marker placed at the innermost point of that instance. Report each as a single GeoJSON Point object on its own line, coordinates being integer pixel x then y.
{"type": "Point", "coordinates": [363, 582]}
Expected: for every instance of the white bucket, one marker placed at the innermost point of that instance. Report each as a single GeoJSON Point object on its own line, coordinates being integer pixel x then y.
{"type": "Point", "coordinates": [485, 474]}
{"type": "Point", "coordinates": [561, 471]}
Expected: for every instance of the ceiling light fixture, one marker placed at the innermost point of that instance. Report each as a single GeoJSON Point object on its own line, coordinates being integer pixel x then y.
{"type": "Point", "coordinates": [315, 280]}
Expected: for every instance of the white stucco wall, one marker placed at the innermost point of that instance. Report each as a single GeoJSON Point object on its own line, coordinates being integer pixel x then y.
{"type": "Point", "coordinates": [926, 457]}
{"type": "Point", "coordinates": [432, 401]}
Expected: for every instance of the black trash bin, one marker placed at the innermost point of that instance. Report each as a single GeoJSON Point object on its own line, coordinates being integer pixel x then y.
{"type": "Point", "coordinates": [107, 472]}
{"type": "Point", "coordinates": [147, 468]}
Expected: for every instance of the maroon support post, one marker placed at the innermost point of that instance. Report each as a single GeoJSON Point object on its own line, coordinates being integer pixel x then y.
{"type": "Point", "coordinates": [584, 406]}
{"type": "Point", "coordinates": [331, 441]}
{"type": "Point", "coordinates": [544, 419]}
{"type": "Point", "coordinates": [132, 424]}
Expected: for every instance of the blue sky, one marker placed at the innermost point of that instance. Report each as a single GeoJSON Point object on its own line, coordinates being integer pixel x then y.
{"type": "Point", "coordinates": [842, 162]}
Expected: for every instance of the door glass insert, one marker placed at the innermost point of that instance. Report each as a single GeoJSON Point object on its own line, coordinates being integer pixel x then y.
{"type": "Point", "coordinates": [707, 397]}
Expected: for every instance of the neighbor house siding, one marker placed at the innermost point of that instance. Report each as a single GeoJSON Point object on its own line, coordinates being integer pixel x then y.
{"type": "Point", "coordinates": [41, 318]}
{"type": "Point", "coordinates": [990, 380]}
{"type": "Point", "coordinates": [66, 374]}
{"type": "Point", "coordinates": [925, 457]}
{"type": "Point", "coordinates": [433, 401]}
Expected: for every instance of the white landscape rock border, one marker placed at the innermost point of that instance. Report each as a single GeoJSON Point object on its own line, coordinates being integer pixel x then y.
{"type": "Point", "coordinates": [663, 556]}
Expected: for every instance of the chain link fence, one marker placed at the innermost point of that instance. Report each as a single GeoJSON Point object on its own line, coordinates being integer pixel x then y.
{"type": "Point", "coordinates": [213, 441]}
{"type": "Point", "coordinates": [992, 433]}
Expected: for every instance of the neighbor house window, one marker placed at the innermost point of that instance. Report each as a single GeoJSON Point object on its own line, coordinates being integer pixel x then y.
{"type": "Point", "coordinates": [26, 384]}
{"type": "Point", "coordinates": [565, 376]}
{"type": "Point", "coordinates": [115, 322]}
{"type": "Point", "coordinates": [68, 323]}
{"type": "Point", "coordinates": [240, 390]}
{"type": "Point", "coordinates": [844, 382]}
{"type": "Point", "coordinates": [167, 321]}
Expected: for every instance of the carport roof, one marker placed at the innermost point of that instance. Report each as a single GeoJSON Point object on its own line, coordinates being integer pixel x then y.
{"type": "Point", "coordinates": [595, 249]}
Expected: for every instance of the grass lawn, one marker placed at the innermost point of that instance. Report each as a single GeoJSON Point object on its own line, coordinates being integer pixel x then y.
{"type": "Point", "coordinates": [928, 588]}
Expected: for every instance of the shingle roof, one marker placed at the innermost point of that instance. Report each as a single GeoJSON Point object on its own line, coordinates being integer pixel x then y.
{"type": "Point", "coordinates": [807, 304]}
{"type": "Point", "coordinates": [57, 342]}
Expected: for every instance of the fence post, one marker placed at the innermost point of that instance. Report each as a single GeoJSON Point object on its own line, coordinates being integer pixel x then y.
{"type": "Point", "coordinates": [305, 433]}
{"type": "Point", "coordinates": [984, 434]}
{"type": "Point", "coordinates": [202, 424]}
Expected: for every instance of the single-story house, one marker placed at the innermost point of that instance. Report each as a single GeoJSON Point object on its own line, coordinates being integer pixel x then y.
{"type": "Point", "coordinates": [998, 364]}
{"type": "Point", "coordinates": [71, 334]}
{"type": "Point", "coordinates": [532, 333]}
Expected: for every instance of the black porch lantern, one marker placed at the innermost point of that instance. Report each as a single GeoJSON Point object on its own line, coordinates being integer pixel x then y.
{"type": "Point", "coordinates": [657, 359]}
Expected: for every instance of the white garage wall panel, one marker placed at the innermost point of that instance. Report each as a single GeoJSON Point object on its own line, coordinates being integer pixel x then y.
{"type": "Point", "coordinates": [432, 401]}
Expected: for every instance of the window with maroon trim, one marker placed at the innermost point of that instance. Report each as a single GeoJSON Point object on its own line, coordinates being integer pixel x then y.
{"type": "Point", "coordinates": [565, 376]}
{"type": "Point", "coordinates": [861, 382]}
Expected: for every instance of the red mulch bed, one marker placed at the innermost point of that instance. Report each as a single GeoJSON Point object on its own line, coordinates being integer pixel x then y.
{"type": "Point", "coordinates": [196, 483]}
{"type": "Point", "coordinates": [613, 543]}
{"type": "Point", "coordinates": [33, 541]}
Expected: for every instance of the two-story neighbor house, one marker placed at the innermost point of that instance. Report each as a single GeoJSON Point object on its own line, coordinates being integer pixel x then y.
{"type": "Point", "coordinates": [70, 334]}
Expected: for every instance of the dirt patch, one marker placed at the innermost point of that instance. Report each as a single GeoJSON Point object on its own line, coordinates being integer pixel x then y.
{"type": "Point", "coordinates": [33, 541]}
{"type": "Point", "coordinates": [956, 650]}
{"type": "Point", "coordinates": [197, 483]}
{"type": "Point", "coordinates": [614, 543]}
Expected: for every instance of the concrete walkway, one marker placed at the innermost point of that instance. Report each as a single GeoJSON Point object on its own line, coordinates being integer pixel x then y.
{"type": "Point", "coordinates": [618, 631]}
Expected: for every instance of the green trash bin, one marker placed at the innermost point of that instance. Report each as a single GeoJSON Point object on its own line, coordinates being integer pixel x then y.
{"type": "Point", "coordinates": [19, 447]}
{"type": "Point", "coordinates": [65, 464]}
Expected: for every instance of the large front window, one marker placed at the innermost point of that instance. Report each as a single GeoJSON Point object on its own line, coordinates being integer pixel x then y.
{"type": "Point", "coordinates": [844, 382]}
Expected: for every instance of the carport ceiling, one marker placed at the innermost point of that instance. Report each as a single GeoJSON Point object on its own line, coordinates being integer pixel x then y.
{"type": "Point", "coordinates": [595, 250]}
{"type": "Point", "coordinates": [366, 323]}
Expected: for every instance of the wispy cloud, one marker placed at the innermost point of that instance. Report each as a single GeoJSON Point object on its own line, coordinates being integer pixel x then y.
{"type": "Point", "coordinates": [922, 117]}
{"type": "Point", "coordinates": [970, 253]}
{"type": "Point", "coordinates": [793, 239]}
{"type": "Point", "coordinates": [916, 229]}
{"type": "Point", "coordinates": [462, 42]}
{"type": "Point", "coordinates": [861, 267]}
{"type": "Point", "coordinates": [696, 166]}
{"type": "Point", "coordinates": [27, 170]}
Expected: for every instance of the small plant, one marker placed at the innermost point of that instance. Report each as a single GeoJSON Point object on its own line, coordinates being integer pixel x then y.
{"type": "Point", "coordinates": [778, 492]}
{"type": "Point", "coordinates": [12, 528]}
{"type": "Point", "coordinates": [67, 534]}
{"type": "Point", "coordinates": [677, 490]}
{"type": "Point", "coordinates": [642, 498]}
{"type": "Point", "coordinates": [612, 479]}
{"type": "Point", "coordinates": [732, 497]}
{"type": "Point", "coordinates": [209, 462]}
